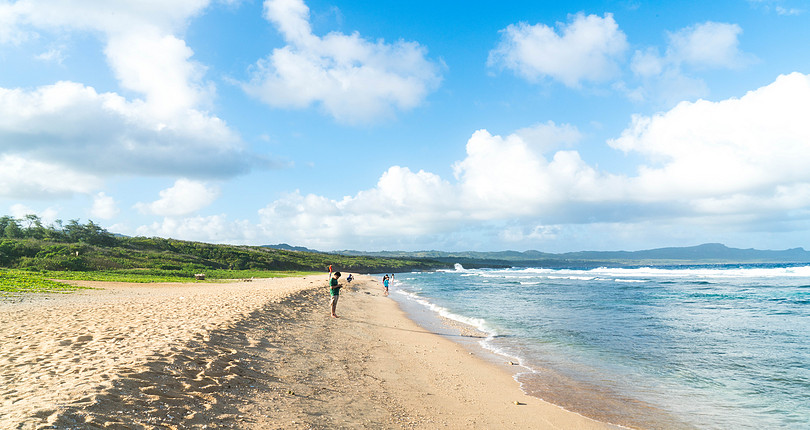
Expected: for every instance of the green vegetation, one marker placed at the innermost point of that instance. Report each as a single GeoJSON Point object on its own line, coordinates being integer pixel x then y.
{"type": "Point", "coordinates": [89, 252]}
{"type": "Point", "coordinates": [20, 282]}
{"type": "Point", "coordinates": [146, 276]}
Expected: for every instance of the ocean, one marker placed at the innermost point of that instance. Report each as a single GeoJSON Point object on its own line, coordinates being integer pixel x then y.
{"type": "Point", "coordinates": [717, 347]}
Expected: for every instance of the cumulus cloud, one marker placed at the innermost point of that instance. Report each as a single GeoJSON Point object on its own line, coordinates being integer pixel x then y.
{"type": "Point", "coordinates": [592, 49]}
{"type": "Point", "coordinates": [587, 49]}
{"type": "Point", "coordinates": [352, 79]}
{"type": "Point", "coordinates": [403, 201]}
{"type": "Point", "coordinates": [501, 177]}
{"type": "Point", "coordinates": [668, 78]}
{"type": "Point", "coordinates": [104, 206]}
{"type": "Point", "coordinates": [81, 132]}
{"type": "Point", "coordinates": [141, 45]}
{"type": "Point", "coordinates": [21, 177]}
{"type": "Point", "coordinates": [215, 228]}
{"type": "Point", "coordinates": [709, 45]}
{"type": "Point", "coordinates": [183, 198]}
{"type": "Point", "coordinates": [158, 66]}
{"type": "Point", "coordinates": [749, 146]}
{"type": "Point", "coordinates": [72, 125]}
{"type": "Point", "coordinates": [708, 165]}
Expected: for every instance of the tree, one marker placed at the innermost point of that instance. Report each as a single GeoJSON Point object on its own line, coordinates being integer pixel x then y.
{"type": "Point", "coordinates": [55, 231]}
{"type": "Point", "coordinates": [13, 230]}
{"type": "Point", "coordinates": [96, 235]}
{"type": "Point", "coordinates": [4, 222]}
{"type": "Point", "coordinates": [34, 227]}
{"type": "Point", "coordinates": [32, 220]}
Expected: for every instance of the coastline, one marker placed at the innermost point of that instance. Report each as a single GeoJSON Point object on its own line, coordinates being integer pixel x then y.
{"type": "Point", "coordinates": [261, 355]}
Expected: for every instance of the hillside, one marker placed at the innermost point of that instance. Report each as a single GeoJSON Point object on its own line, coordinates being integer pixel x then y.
{"type": "Point", "coordinates": [710, 253]}
{"type": "Point", "coordinates": [77, 247]}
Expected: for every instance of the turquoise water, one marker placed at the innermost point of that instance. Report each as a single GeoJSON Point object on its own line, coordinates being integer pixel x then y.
{"type": "Point", "coordinates": [673, 347]}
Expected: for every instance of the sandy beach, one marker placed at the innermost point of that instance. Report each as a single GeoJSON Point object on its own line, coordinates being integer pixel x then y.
{"type": "Point", "coordinates": [263, 354]}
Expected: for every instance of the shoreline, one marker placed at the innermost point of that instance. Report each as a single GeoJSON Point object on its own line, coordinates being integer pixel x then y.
{"type": "Point", "coordinates": [261, 355]}
{"type": "Point", "coordinates": [546, 383]}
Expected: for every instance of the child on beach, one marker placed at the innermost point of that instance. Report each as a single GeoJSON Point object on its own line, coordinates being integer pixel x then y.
{"type": "Point", "coordinates": [334, 292]}
{"type": "Point", "coordinates": [385, 284]}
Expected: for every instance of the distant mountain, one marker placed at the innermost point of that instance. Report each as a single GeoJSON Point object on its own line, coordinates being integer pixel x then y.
{"type": "Point", "coordinates": [709, 253]}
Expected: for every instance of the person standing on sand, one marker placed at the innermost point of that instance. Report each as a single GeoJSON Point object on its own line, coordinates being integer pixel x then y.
{"type": "Point", "coordinates": [385, 284]}
{"type": "Point", "coordinates": [334, 292]}
{"type": "Point", "coordinates": [330, 271]}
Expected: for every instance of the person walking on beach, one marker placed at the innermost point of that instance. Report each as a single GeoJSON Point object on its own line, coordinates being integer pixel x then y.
{"type": "Point", "coordinates": [334, 292]}
{"type": "Point", "coordinates": [385, 284]}
{"type": "Point", "coordinates": [330, 271]}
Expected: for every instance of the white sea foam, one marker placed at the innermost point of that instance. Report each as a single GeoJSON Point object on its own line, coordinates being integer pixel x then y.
{"type": "Point", "coordinates": [654, 272]}
{"type": "Point", "coordinates": [575, 278]}
{"type": "Point", "coordinates": [478, 323]}
{"type": "Point", "coordinates": [456, 268]}
{"type": "Point", "coordinates": [724, 272]}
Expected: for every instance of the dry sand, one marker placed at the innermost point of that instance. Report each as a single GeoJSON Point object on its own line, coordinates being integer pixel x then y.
{"type": "Point", "coordinates": [247, 355]}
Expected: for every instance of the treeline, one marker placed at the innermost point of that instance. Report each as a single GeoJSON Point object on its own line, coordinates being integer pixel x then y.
{"type": "Point", "coordinates": [28, 244]}
{"type": "Point", "coordinates": [31, 227]}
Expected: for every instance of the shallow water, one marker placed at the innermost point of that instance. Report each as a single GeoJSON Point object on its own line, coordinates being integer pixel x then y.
{"type": "Point", "coordinates": [671, 347]}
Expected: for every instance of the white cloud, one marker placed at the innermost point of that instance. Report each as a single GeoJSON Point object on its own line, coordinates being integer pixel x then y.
{"type": "Point", "coordinates": [588, 48]}
{"type": "Point", "coordinates": [778, 6]}
{"type": "Point", "coordinates": [719, 170]}
{"type": "Point", "coordinates": [648, 63]}
{"type": "Point", "coordinates": [183, 198]}
{"type": "Point", "coordinates": [71, 125]}
{"type": "Point", "coordinates": [748, 145]}
{"type": "Point", "coordinates": [21, 177]}
{"type": "Point", "coordinates": [106, 17]}
{"type": "Point", "coordinates": [9, 30]}
{"type": "Point", "coordinates": [104, 206]}
{"type": "Point", "coordinates": [158, 65]}
{"type": "Point", "coordinates": [509, 176]}
{"type": "Point", "coordinates": [548, 136]}
{"type": "Point", "coordinates": [789, 11]}
{"type": "Point", "coordinates": [709, 167]}
{"type": "Point", "coordinates": [53, 55]}
{"type": "Point", "coordinates": [352, 79]}
{"type": "Point", "coordinates": [73, 128]}
{"type": "Point", "coordinates": [46, 216]}
{"type": "Point", "coordinates": [501, 177]}
{"type": "Point", "coordinates": [140, 43]}
{"type": "Point", "coordinates": [215, 228]}
{"type": "Point", "coordinates": [403, 201]}
{"type": "Point", "coordinates": [668, 78]}
{"type": "Point", "coordinates": [708, 45]}
{"type": "Point", "coordinates": [518, 234]}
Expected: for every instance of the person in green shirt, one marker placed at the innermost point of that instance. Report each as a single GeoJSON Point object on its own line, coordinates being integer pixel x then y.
{"type": "Point", "coordinates": [334, 292]}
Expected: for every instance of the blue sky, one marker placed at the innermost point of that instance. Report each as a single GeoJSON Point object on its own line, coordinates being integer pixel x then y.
{"type": "Point", "coordinates": [556, 126]}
